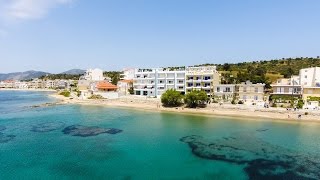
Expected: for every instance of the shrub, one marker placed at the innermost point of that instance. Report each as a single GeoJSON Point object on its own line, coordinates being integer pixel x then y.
{"type": "Point", "coordinates": [196, 98]}
{"type": "Point", "coordinates": [300, 104]}
{"type": "Point", "coordinates": [65, 93]}
{"type": "Point", "coordinates": [233, 101]}
{"type": "Point", "coordinates": [240, 102]}
{"type": "Point", "coordinates": [96, 97]}
{"type": "Point", "coordinates": [306, 113]}
{"type": "Point", "coordinates": [171, 98]}
{"type": "Point", "coordinates": [274, 105]}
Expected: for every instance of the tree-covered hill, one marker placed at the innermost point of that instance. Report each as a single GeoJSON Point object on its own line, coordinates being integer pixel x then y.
{"type": "Point", "coordinates": [263, 71]}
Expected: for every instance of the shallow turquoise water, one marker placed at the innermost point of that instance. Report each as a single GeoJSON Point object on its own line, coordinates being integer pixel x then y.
{"type": "Point", "coordinates": [150, 145]}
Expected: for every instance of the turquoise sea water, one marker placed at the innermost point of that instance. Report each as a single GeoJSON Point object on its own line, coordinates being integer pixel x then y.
{"type": "Point", "coordinates": [150, 146]}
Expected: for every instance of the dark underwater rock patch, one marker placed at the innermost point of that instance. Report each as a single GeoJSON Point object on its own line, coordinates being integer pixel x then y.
{"type": "Point", "coordinates": [262, 130]}
{"type": "Point", "coordinates": [263, 160]}
{"type": "Point", "coordinates": [2, 128]}
{"type": "Point", "coordinates": [47, 127]}
{"type": "Point", "coordinates": [6, 138]}
{"type": "Point", "coordinates": [85, 131]}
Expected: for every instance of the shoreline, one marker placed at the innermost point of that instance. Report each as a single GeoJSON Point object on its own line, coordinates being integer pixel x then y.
{"type": "Point", "coordinates": [153, 105]}
{"type": "Point", "coordinates": [35, 90]}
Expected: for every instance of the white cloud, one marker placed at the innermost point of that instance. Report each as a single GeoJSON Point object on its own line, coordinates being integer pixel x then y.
{"type": "Point", "coordinates": [18, 10]}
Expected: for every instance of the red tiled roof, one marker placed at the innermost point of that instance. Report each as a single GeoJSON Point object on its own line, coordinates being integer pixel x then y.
{"type": "Point", "coordinates": [106, 85]}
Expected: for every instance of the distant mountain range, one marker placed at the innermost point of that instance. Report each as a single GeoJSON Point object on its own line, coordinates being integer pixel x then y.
{"type": "Point", "coordinates": [22, 75]}
{"type": "Point", "coordinates": [74, 71]}
{"type": "Point", "coordinates": [34, 74]}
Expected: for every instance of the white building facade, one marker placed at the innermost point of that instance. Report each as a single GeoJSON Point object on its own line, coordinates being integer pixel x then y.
{"type": "Point", "coordinates": [154, 82]}
{"type": "Point", "coordinates": [93, 75]}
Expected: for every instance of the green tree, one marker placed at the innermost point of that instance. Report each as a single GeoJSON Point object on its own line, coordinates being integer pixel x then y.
{"type": "Point", "coordinates": [195, 98]}
{"type": "Point", "coordinates": [171, 98]}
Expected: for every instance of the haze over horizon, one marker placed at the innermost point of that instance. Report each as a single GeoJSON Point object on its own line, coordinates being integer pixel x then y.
{"type": "Point", "coordinates": [58, 35]}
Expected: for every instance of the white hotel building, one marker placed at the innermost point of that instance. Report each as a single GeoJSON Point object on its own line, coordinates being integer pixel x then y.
{"type": "Point", "coordinates": [154, 82]}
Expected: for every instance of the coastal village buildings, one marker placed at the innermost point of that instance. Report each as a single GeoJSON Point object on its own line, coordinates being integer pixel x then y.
{"type": "Point", "coordinates": [128, 74]}
{"type": "Point", "coordinates": [224, 92]}
{"type": "Point", "coordinates": [305, 85]}
{"type": "Point", "coordinates": [154, 82]}
{"type": "Point", "coordinates": [251, 93]}
{"type": "Point", "coordinates": [310, 82]}
{"type": "Point", "coordinates": [287, 86]}
{"type": "Point", "coordinates": [93, 75]}
{"type": "Point", "coordinates": [106, 90]}
{"type": "Point", "coordinates": [124, 87]}
{"type": "Point", "coordinates": [202, 78]}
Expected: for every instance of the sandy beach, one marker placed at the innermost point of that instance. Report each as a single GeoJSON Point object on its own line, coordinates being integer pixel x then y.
{"type": "Point", "coordinates": [225, 110]}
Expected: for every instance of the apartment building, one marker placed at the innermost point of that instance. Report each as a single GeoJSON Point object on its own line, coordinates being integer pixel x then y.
{"type": "Point", "coordinates": [202, 78]}
{"type": "Point", "coordinates": [310, 77]}
{"type": "Point", "coordinates": [310, 82]}
{"type": "Point", "coordinates": [287, 86]}
{"type": "Point", "coordinates": [224, 92]}
{"type": "Point", "coordinates": [250, 93]}
{"type": "Point", "coordinates": [154, 82]}
{"type": "Point", "coordinates": [93, 75]}
{"type": "Point", "coordinates": [128, 74]}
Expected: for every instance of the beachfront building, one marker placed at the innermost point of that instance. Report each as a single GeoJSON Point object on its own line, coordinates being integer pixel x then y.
{"type": "Point", "coordinates": [310, 83]}
{"type": "Point", "coordinates": [224, 92]}
{"type": "Point", "coordinates": [310, 77]}
{"type": "Point", "coordinates": [36, 84]}
{"type": "Point", "coordinates": [128, 74]}
{"type": "Point", "coordinates": [93, 75]}
{"type": "Point", "coordinates": [202, 78]}
{"type": "Point", "coordinates": [124, 87]}
{"type": "Point", "coordinates": [106, 90]}
{"type": "Point", "coordinates": [7, 84]}
{"type": "Point", "coordinates": [50, 84]}
{"type": "Point", "coordinates": [20, 85]}
{"type": "Point", "coordinates": [251, 93]}
{"type": "Point", "coordinates": [154, 82]}
{"type": "Point", "coordinates": [287, 87]}
{"type": "Point", "coordinates": [86, 88]}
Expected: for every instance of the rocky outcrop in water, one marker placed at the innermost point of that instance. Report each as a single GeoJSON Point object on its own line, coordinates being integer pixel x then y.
{"type": "Point", "coordinates": [6, 138]}
{"type": "Point", "coordinates": [46, 127]}
{"type": "Point", "coordinates": [85, 131]}
{"type": "Point", "coordinates": [263, 160]}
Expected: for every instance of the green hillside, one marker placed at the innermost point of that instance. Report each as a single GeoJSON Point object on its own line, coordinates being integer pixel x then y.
{"type": "Point", "coordinates": [263, 71]}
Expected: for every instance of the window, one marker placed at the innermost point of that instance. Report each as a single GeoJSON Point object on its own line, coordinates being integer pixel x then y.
{"type": "Point", "coordinates": [228, 89]}
{"type": "Point", "coordinates": [197, 84]}
{"type": "Point", "coordinates": [190, 84]}
{"type": "Point", "coordinates": [180, 81]}
{"type": "Point", "coordinates": [255, 97]}
{"type": "Point", "coordinates": [306, 76]}
{"type": "Point", "coordinates": [138, 92]}
{"type": "Point", "coordinates": [170, 82]}
{"type": "Point", "coordinates": [218, 89]}
{"type": "Point", "coordinates": [161, 81]}
{"type": "Point", "coordinates": [256, 89]}
{"type": "Point", "coordinates": [244, 97]}
{"type": "Point", "coordinates": [244, 89]}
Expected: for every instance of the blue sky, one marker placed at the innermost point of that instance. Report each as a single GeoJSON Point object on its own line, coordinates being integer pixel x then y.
{"type": "Point", "coordinates": [57, 35]}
